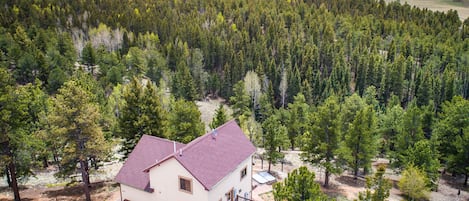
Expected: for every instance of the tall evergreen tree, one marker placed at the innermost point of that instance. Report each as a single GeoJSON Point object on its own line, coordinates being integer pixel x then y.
{"type": "Point", "coordinates": [410, 132]}
{"type": "Point", "coordinates": [298, 121]}
{"type": "Point", "coordinates": [220, 117]}
{"type": "Point", "coordinates": [452, 131]}
{"type": "Point", "coordinates": [183, 85]}
{"type": "Point", "coordinates": [129, 119]}
{"type": "Point", "coordinates": [184, 122]}
{"type": "Point", "coordinates": [275, 135]}
{"type": "Point", "coordinates": [321, 143]}
{"type": "Point", "coordinates": [20, 109]}
{"type": "Point", "coordinates": [361, 141]}
{"type": "Point", "coordinates": [240, 100]}
{"type": "Point", "coordinates": [153, 118]}
{"type": "Point", "coordinates": [76, 118]}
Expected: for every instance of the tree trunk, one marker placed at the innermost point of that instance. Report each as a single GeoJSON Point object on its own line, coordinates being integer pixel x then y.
{"type": "Point", "coordinates": [86, 181]}
{"type": "Point", "coordinates": [269, 167]}
{"type": "Point", "coordinates": [14, 182]}
{"type": "Point", "coordinates": [355, 170]}
{"type": "Point", "coordinates": [7, 173]}
{"type": "Point", "coordinates": [45, 164]}
{"type": "Point", "coordinates": [465, 180]}
{"type": "Point", "coordinates": [326, 179]}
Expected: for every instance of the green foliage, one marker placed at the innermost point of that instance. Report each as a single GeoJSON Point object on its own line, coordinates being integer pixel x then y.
{"type": "Point", "coordinates": [183, 85]}
{"type": "Point", "coordinates": [184, 121]}
{"type": "Point", "coordinates": [413, 183]}
{"type": "Point", "coordinates": [423, 155]}
{"type": "Point", "coordinates": [75, 119]}
{"type": "Point", "coordinates": [298, 121]}
{"type": "Point", "coordinates": [20, 109]}
{"type": "Point", "coordinates": [129, 115]}
{"type": "Point", "coordinates": [410, 133]}
{"type": "Point", "coordinates": [360, 143]}
{"type": "Point", "coordinates": [274, 137]}
{"type": "Point", "coordinates": [451, 131]}
{"type": "Point", "coordinates": [240, 100]}
{"type": "Point", "coordinates": [389, 126]}
{"type": "Point", "coordinates": [377, 187]}
{"type": "Point", "coordinates": [299, 186]}
{"type": "Point", "coordinates": [141, 113]}
{"type": "Point", "coordinates": [321, 143]}
{"type": "Point", "coordinates": [220, 117]}
{"type": "Point", "coordinates": [251, 128]}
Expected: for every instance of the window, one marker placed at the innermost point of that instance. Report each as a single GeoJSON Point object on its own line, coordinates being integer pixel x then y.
{"type": "Point", "coordinates": [244, 172]}
{"type": "Point", "coordinates": [185, 184]}
{"type": "Point", "coordinates": [230, 195]}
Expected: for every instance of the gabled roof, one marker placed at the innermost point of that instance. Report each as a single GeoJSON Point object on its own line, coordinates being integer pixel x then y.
{"type": "Point", "coordinates": [148, 150]}
{"type": "Point", "coordinates": [214, 155]}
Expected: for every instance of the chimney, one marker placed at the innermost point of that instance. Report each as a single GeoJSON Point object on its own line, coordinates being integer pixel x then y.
{"type": "Point", "coordinates": [180, 152]}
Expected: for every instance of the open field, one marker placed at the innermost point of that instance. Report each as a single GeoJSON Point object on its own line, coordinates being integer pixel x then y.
{"type": "Point", "coordinates": [441, 5]}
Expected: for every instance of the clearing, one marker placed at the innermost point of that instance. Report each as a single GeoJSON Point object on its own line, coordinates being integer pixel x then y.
{"type": "Point", "coordinates": [441, 5]}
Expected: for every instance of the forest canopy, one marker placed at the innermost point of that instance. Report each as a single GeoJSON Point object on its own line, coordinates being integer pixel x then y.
{"type": "Point", "coordinates": [281, 64]}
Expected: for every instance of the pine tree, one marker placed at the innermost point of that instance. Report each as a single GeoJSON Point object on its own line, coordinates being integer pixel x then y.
{"type": "Point", "coordinates": [298, 186]}
{"type": "Point", "coordinates": [129, 119]}
{"type": "Point", "coordinates": [274, 137]}
{"type": "Point", "coordinates": [20, 110]}
{"type": "Point", "coordinates": [184, 122]}
{"type": "Point", "coordinates": [424, 155]}
{"type": "Point", "coordinates": [183, 85]}
{"type": "Point", "coordinates": [321, 143]}
{"type": "Point", "coordinates": [389, 125]}
{"type": "Point", "coordinates": [377, 187]}
{"type": "Point", "coordinates": [220, 117]}
{"type": "Point", "coordinates": [153, 118]}
{"type": "Point", "coordinates": [240, 100]}
{"type": "Point", "coordinates": [452, 132]}
{"type": "Point", "coordinates": [76, 118]}
{"type": "Point", "coordinates": [410, 133]}
{"type": "Point", "coordinates": [298, 121]}
{"type": "Point", "coordinates": [360, 140]}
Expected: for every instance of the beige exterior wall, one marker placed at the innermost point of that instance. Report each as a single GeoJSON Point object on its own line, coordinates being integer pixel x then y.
{"type": "Point", "coordinates": [165, 183]}
{"type": "Point", "coordinates": [133, 194]}
{"type": "Point", "coordinates": [234, 181]}
{"type": "Point", "coordinates": [164, 179]}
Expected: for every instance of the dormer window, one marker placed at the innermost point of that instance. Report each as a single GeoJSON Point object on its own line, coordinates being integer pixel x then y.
{"type": "Point", "coordinates": [185, 184]}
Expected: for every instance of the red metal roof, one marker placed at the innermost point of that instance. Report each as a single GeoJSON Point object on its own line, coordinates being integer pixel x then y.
{"type": "Point", "coordinates": [148, 150]}
{"type": "Point", "coordinates": [208, 158]}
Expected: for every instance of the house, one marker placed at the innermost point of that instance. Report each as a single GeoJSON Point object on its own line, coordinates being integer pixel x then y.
{"type": "Point", "coordinates": [214, 167]}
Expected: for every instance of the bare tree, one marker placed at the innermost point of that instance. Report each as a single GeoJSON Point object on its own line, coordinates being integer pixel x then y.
{"type": "Point", "coordinates": [253, 87]}
{"type": "Point", "coordinates": [283, 87]}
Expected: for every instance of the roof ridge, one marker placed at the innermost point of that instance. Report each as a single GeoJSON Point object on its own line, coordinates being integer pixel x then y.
{"type": "Point", "coordinates": [162, 139]}
{"type": "Point", "coordinates": [185, 147]}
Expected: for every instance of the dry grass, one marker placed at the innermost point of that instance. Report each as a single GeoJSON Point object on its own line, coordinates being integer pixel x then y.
{"type": "Point", "coordinates": [441, 5]}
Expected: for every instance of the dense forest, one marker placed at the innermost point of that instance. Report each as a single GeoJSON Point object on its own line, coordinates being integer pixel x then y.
{"type": "Point", "coordinates": [332, 78]}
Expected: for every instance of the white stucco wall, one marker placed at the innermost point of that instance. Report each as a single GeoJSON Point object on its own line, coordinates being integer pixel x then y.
{"type": "Point", "coordinates": [164, 179]}
{"type": "Point", "coordinates": [133, 194]}
{"type": "Point", "coordinates": [233, 180]}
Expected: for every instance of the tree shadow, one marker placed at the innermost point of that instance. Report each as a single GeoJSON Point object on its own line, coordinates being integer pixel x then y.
{"type": "Point", "coordinates": [456, 182]}
{"type": "Point", "coordinates": [77, 190]}
{"type": "Point", "coordinates": [332, 190]}
{"type": "Point", "coordinates": [351, 181]}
